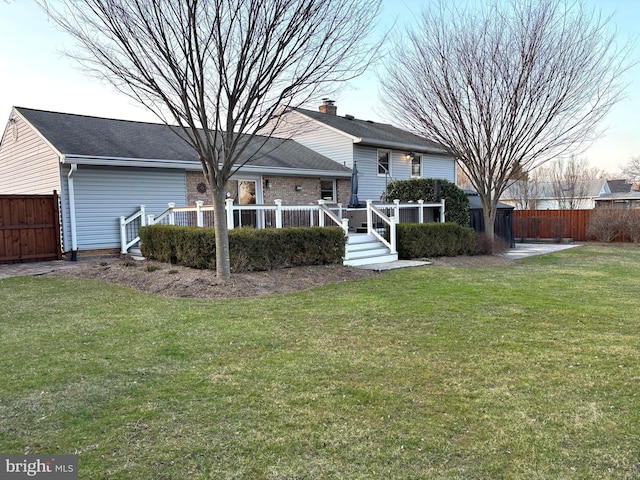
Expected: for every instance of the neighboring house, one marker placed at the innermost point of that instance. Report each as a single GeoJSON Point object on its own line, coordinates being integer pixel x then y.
{"type": "Point", "coordinates": [547, 196]}
{"type": "Point", "coordinates": [382, 152]}
{"type": "Point", "coordinates": [105, 168]}
{"type": "Point", "coordinates": [621, 196]}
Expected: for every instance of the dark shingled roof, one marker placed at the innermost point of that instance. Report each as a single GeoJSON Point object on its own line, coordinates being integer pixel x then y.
{"type": "Point", "coordinates": [373, 133]}
{"type": "Point", "coordinates": [619, 186]}
{"type": "Point", "coordinates": [82, 135]}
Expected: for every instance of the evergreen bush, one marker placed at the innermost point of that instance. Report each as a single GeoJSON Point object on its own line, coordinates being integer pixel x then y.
{"type": "Point", "coordinates": [415, 240]}
{"type": "Point", "coordinates": [249, 249]}
{"type": "Point", "coordinates": [456, 201]}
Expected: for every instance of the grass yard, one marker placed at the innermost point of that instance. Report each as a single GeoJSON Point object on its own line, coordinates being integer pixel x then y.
{"type": "Point", "coordinates": [528, 371]}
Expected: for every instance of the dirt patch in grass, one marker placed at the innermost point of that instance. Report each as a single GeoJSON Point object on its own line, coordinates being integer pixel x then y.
{"type": "Point", "coordinates": [177, 281]}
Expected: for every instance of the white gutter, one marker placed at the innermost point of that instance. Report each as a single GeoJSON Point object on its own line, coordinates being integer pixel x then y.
{"type": "Point", "coordinates": [72, 211]}
{"type": "Point", "coordinates": [195, 166]}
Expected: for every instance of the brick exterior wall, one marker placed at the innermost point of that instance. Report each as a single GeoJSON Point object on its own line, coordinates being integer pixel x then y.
{"type": "Point", "coordinates": [279, 187]}
{"type": "Point", "coordinates": [193, 195]}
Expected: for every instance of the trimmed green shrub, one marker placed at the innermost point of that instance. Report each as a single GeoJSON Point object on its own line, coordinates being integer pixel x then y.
{"type": "Point", "coordinates": [449, 239]}
{"type": "Point", "coordinates": [250, 249]}
{"type": "Point", "coordinates": [456, 201]}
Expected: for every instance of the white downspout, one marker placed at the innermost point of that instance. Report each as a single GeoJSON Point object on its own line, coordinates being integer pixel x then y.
{"type": "Point", "coordinates": [72, 212]}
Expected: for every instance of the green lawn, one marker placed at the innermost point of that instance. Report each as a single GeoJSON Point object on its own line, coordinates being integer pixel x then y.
{"type": "Point", "coordinates": [528, 371]}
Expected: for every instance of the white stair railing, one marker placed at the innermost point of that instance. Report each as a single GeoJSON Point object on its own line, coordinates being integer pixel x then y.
{"type": "Point", "coordinates": [374, 212]}
{"type": "Point", "coordinates": [130, 229]}
{"type": "Point", "coordinates": [324, 210]}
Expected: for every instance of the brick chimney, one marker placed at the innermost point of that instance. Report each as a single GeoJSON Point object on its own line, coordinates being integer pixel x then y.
{"type": "Point", "coordinates": [328, 107]}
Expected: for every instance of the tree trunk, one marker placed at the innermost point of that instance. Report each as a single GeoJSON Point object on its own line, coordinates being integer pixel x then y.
{"type": "Point", "coordinates": [489, 216]}
{"type": "Point", "coordinates": [223, 263]}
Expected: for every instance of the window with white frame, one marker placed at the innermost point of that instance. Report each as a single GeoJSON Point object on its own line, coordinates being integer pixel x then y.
{"type": "Point", "coordinates": [328, 190]}
{"type": "Point", "coordinates": [384, 163]}
{"type": "Point", "coordinates": [416, 166]}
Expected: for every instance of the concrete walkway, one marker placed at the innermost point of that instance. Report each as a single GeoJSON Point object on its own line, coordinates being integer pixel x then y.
{"type": "Point", "coordinates": [524, 250]}
{"type": "Point", "coordinates": [42, 268]}
{"type": "Point", "coordinates": [521, 250]}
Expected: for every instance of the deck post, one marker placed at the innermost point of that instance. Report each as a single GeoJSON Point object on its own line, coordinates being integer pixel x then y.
{"type": "Point", "coordinates": [397, 210]}
{"type": "Point", "coordinates": [369, 217]}
{"type": "Point", "coordinates": [278, 203]}
{"type": "Point", "coordinates": [143, 219]}
{"type": "Point", "coordinates": [123, 235]}
{"type": "Point", "coordinates": [392, 235]}
{"type": "Point", "coordinates": [320, 214]}
{"type": "Point", "coordinates": [172, 215]}
{"type": "Point", "coordinates": [229, 208]}
{"type": "Point", "coordinates": [199, 216]}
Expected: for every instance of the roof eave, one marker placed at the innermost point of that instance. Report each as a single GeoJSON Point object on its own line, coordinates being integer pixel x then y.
{"type": "Point", "coordinates": [191, 165]}
{"type": "Point", "coordinates": [401, 146]}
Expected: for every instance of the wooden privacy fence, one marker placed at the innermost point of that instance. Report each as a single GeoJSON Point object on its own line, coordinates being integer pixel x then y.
{"type": "Point", "coordinates": [553, 224]}
{"type": "Point", "coordinates": [29, 228]}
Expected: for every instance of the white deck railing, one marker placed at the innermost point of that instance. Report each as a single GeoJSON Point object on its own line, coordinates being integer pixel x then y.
{"type": "Point", "coordinates": [374, 215]}
{"type": "Point", "coordinates": [279, 216]}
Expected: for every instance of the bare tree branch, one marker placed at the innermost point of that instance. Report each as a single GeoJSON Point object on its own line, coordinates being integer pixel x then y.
{"type": "Point", "coordinates": [631, 170]}
{"type": "Point", "coordinates": [221, 69]}
{"type": "Point", "coordinates": [506, 87]}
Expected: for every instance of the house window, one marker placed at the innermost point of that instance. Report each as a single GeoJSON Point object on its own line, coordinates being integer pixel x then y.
{"type": "Point", "coordinates": [328, 190]}
{"type": "Point", "coordinates": [416, 166]}
{"type": "Point", "coordinates": [384, 163]}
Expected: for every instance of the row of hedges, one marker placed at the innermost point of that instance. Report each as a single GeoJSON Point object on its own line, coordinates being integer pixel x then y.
{"type": "Point", "coordinates": [615, 224]}
{"type": "Point", "coordinates": [434, 240]}
{"type": "Point", "coordinates": [250, 249]}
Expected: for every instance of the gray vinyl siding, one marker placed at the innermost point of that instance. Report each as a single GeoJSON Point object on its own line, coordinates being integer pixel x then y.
{"type": "Point", "coordinates": [318, 137]}
{"type": "Point", "coordinates": [370, 185]}
{"type": "Point", "coordinates": [434, 166]}
{"type": "Point", "coordinates": [28, 165]}
{"type": "Point", "coordinates": [103, 194]}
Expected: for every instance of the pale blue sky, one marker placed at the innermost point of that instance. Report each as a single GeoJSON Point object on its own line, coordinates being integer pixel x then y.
{"type": "Point", "coordinates": [34, 74]}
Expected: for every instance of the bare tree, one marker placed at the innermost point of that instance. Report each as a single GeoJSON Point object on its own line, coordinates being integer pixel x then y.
{"type": "Point", "coordinates": [505, 87]}
{"type": "Point", "coordinates": [221, 69]}
{"type": "Point", "coordinates": [571, 181]}
{"type": "Point", "coordinates": [631, 170]}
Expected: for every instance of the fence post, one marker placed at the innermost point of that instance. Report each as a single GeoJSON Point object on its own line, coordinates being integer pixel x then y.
{"type": "Point", "coordinates": [199, 216]}
{"type": "Point", "coordinates": [278, 203]}
{"type": "Point", "coordinates": [172, 215]}
{"type": "Point", "coordinates": [369, 217]}
{"type": "Point", "coordinates": [229, 208]}
{"type": "Point", "coordinates": [442, 211]}
{"type": "Point", "coordinates": [421, 211]}
{"type": "Point", "coordinates": [320, 213]}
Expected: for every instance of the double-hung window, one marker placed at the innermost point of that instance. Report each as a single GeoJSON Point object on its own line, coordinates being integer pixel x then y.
{"type": "Point", "coordinates": [328, 190]}
{"type": "Point", "coordinates": [416, 166]}
{"type": "Point", "coordinates": [384, 163]}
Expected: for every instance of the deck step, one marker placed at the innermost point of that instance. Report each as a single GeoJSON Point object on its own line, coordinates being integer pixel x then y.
{"type": "Point", "coordinates": [364, 249]}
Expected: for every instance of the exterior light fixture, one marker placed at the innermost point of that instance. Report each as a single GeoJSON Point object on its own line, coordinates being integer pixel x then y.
{"type": "Point", "coordinates": [298, 188]}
